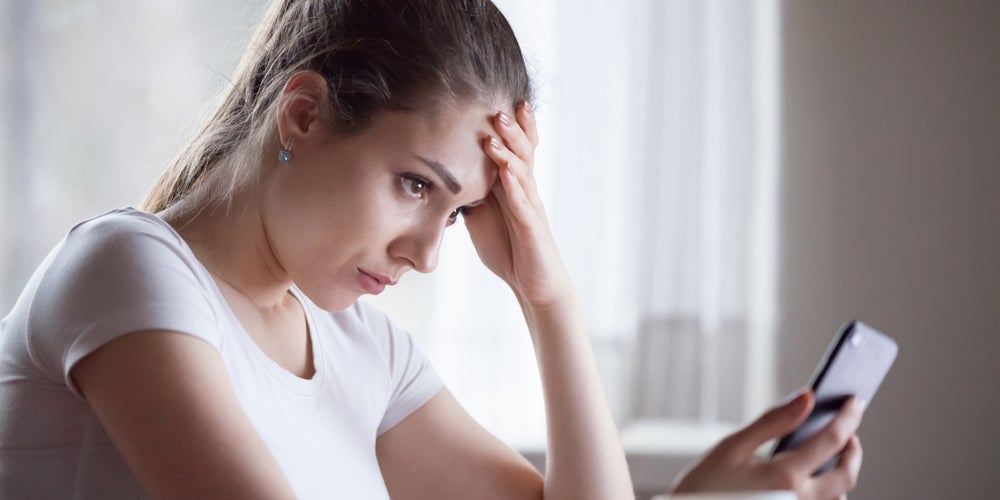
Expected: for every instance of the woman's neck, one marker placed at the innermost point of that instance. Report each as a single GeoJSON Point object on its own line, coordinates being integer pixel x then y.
{"type": "Point", "coordinates": [232, 243]}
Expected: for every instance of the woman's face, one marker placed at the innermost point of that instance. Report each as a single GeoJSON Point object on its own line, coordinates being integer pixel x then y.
{"type": "Point", "coordinates": [350, 215]}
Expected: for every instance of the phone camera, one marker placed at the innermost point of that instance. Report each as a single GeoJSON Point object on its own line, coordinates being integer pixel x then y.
{"type": "Point", "coordinates": [857, 340]}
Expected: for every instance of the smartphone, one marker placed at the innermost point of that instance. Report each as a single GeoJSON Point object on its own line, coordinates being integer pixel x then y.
{"type": "Point", "coordinates": [854, 365]}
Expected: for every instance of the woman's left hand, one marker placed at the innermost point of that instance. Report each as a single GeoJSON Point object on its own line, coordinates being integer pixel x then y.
{"type": "Point", "coordinates": [510, 230]}
{"type": "Point", "coordinates": [733, 465]}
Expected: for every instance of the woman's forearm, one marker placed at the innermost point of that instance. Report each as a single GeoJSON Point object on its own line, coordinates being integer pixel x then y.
{"type": "Point", "coordinates": [585, 458]}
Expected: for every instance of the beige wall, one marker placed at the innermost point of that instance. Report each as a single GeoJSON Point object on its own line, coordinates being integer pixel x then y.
{"type": "Point", "coordinates": [891, 214]}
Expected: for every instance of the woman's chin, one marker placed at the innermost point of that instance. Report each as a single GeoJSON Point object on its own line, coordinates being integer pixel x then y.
{"type": "Point", "coordinates": [340, 303]}
{"type": "Point", "coordinates": [333, 300]}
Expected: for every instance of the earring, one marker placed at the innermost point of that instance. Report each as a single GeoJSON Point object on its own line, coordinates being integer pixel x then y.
{"type": "Point", "coordinates": [285, 155]}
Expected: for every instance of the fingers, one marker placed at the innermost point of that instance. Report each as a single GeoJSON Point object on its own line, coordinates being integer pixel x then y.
{"type": "Point", "coordinates": [816, 450]}
{"type": "Point", "coordinates": [513, 152]}
{"type": "Point", "coordinates": [526, 117]}
{"type": "Point", "coordinates": [510, 162]}
{"type": "Point", "coordinates": [514, 201]}
{"type": "Point", "coordinates": [520, 136]}
{"type": "Point", "coordinates": [844, 477]}
{"type": "Point", "coordinates": [850, 461]}
{"type": "Point", "coordinates": [777, 422]}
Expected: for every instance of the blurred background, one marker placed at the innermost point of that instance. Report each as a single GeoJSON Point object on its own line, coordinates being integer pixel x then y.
{"type": "Point", "coordinates": [729, 181]}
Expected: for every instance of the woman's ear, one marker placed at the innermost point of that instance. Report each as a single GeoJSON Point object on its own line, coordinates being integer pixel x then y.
{"type": "Point", "coordinates": [303, 104]}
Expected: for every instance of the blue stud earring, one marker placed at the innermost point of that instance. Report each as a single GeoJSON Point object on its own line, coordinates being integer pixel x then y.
{"type": "Point", "coordinates": [285, 155]}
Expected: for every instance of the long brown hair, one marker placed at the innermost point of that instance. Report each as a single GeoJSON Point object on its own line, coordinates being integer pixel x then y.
{"type": "Point", "coordinates": [376, 55]}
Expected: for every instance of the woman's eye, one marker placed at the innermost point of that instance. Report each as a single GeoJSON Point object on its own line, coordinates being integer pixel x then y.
{"type": "Point", "coordinates": [415, 187]}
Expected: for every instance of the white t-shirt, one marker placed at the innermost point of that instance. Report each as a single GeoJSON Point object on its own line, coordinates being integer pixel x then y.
{"type": "Point", "coordinates": [127, 271]}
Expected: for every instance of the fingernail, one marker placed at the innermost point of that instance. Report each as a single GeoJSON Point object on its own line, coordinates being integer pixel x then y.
{"type": "Point", "coordinates": [527, 106]}
{"type": "Point", "coordinates": [862, 404]}
{"type": "Point", "coordinates": [494, 143]}
{"type": "Point", "coordinates": [800, 399]}
{"type": "Point", "coordinates": [504, 119]}
{"type": "Point", "coordinates": [797, 394]}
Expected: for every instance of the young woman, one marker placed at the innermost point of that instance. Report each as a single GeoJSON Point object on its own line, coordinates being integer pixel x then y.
{"type": "Point", "coordinates": [211, 345]}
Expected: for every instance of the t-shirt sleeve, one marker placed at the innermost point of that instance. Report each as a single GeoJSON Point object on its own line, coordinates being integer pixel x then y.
{"type": "Point", "coordinates": [412, 379]}
{"type": "Point", "coordinates": [114, 275]}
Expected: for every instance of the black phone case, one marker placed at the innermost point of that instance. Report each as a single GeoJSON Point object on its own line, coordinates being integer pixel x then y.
{"type": "Point", "coordinates": [855, 364]}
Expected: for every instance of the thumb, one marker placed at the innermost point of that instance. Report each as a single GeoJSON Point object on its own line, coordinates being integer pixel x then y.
{"type": "Point", "coordinates": [775, 423]}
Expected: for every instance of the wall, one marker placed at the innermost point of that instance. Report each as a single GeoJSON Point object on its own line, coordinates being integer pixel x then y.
{"type": "Point", "coordinates": [891, 214]}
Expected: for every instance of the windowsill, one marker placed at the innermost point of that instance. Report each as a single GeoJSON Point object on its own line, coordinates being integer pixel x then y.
{"type": "Point", "coordinates": [672, 437]}
{"type": "Point", "coordinates": [656, 450]}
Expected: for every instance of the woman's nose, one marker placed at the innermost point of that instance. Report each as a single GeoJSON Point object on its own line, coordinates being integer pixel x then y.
{"type": "Point", "coordinates": [419, 247]}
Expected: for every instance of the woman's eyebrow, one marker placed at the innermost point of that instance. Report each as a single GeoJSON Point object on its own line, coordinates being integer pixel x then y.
{"type": "Point", "coordinates": [442, 172]}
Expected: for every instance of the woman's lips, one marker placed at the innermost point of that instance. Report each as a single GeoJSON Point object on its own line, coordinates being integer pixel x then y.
{"type": "Point", "coordinates": [370, 283]}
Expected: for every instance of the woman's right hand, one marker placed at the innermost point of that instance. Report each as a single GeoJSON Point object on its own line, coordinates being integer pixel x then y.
{"type": "Point", "coordinates": [510, 229]}
{"type": "Point", "coordinates": [733, 466]}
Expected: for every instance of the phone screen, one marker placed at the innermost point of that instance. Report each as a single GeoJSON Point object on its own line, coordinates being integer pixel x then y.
{"type": "Point", "coordinates": [855, 364]}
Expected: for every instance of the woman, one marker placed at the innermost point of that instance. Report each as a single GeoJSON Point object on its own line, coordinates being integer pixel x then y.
{"type": "Point", "coordinates": [211, 345]}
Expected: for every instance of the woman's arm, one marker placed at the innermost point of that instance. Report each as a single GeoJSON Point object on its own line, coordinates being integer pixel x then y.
{"type": "Point", "coordinates": [585, 458]}
{"type": "Point", "coordinates": [512, 236]}
{"type": "Point", "coordinates": [439, 452]}
{"type": "Point", "coordinates": [166, 401]}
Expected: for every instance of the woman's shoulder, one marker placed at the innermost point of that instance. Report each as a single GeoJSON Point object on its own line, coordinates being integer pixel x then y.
{"type": "Point", "coordinates": [124, 239]}
{"type": "Point", "coordinates": [122, 223]}
{"type": "Point", "coordinates": [121, 256]}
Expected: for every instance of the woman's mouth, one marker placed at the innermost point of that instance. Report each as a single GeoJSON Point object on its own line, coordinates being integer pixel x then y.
{"type": "Point", "coordinates": [373, 283]}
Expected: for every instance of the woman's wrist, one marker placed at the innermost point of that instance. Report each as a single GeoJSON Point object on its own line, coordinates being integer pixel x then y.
{"type": "Point", "coordinates": [558, 317]}
{"type": "Point", "coordinates": [556, 299]}
{"type": "Point", "coordinates": [550, 290]}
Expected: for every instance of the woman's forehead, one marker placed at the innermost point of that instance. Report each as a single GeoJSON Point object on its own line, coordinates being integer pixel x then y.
{"type": "Point", "coordinates": [451, 138]}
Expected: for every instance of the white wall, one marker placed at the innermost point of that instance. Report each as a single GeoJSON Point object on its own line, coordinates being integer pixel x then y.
{"type": "Point", "coordinates": [891, 214]}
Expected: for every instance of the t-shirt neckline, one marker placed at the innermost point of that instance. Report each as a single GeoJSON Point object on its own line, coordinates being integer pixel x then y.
{"type": "Point", "coordinates": [292, 382]}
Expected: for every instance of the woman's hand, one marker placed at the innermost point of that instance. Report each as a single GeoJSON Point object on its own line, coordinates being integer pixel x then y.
{"type": "Point", "coordinates": [732, 465]}
{"type": "Point", "coordinates": [510, 230]}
